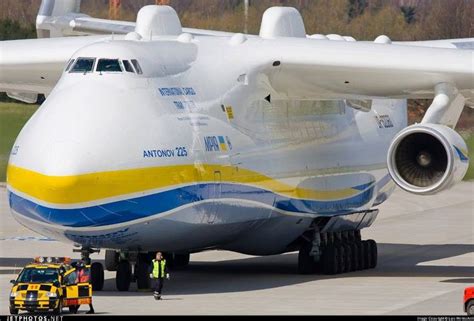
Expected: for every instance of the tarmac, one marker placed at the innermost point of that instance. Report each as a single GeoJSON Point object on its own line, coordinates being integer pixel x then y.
{"type": "Point", "coordinates": [426, 259]}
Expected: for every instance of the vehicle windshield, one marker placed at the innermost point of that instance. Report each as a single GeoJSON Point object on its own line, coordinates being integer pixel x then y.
{"type": "Point", "coordinates": [38, 276]}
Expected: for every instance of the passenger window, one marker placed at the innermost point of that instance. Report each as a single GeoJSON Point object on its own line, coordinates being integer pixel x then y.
{"type": "Point", "coordinates": [108, 65]}
{"type": "Point", "coordinates": [69, 64]}
{"type": "Point", "coordinates": [83, 65]}
{"type": "Point", "coordinates": [137, 66]}
{"type": "Point", "coordinates": [128, 66]}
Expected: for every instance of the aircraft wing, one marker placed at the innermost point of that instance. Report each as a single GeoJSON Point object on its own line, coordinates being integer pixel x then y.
{"type": "Point", "coordinates": [465, 43]}
{"type": "Point", "coordinates": [318, 69]}
{"type": "Point", "coordinates": [34, 66]}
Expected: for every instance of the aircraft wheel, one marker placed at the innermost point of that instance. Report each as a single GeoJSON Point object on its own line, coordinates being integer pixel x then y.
{"type": "Point", "coordinates": [97, 276]}
{"type": "Point", "coordinates": [111, 260]}
{"type": "Point", "coordinates": [124, 276]}
{"type": "Point", "coordinates": [13, 311]}
{"type": "Point", "coordinates": [306, 264]}
{"type": "Point", "coordinates": [367, 255]}
{"type": "Point", "coordinates": [181, 260]}
{"type": "Point", "coordinates": [330, 260]}
{"type": "Point", "coordinates": [177, 261]}
{"type": "Point", "coordinates": [142, 274]}
{"type": "Point", "coordinates": [355, 256]}
{"type": "Point", "coordinates": [347, 258]}
{"type": "Point", "coordinates": [373, 254]}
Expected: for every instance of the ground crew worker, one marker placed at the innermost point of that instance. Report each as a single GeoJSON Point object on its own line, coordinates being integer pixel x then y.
{"type": "Point", "coordinates": [82, 276]}
{"type": "Point", "coordinates": [158, 273]}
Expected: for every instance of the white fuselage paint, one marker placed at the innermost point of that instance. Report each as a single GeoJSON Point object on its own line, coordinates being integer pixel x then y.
{"type": "Point", "coordinates": [191, 96]}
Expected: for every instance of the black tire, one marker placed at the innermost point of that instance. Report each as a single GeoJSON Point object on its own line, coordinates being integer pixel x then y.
{"type": "Point", "coordinates": [181, 261]}
{"type": "Point", "coordinates": [347, 258]}
{"type": "Point", "coordinates": [361, 254]}
{"type": "Point", "coordinates": [142, 275]}
{"type": "Point", "coordinates": [355, 256]}
{"type": "Point", "coordinates": [373, 254]}
{"type": "Point", "coordinates": [367, 255]}
{"type": "Point", "coordinates": [124, 276]}
{"type": "Point", "coordinates": [177, 261]}
{"type": "Point", "coordinates": [59, 309]}
{"type": "Point", "coordinates": [13, 311]}
{"type": "Point", "coordinates": [470, 309]}
{"type": "Point", "coordinates": [74, 309]}
{"type": "Point", "coordinates": [111, 260]}
{"type": "Point", "coordinates": [97, 276]}
{"type": "Point", "coordinates": [330, 260]}
{"type": "Point", "coordinates": [306, 264]}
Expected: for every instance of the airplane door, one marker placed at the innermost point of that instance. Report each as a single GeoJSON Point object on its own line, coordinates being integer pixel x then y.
{"type": "Point", "coordinates": [215, 190]}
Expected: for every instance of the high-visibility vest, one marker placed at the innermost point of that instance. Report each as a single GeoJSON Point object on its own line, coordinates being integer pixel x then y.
{"type": "Point", "coordinates": [159, 269]}
{"type": "Point", "coordinates": [82, 276]}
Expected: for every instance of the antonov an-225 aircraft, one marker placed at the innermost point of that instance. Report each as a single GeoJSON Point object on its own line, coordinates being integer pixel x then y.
{"type": "Point", "coordinates": [158, 137]}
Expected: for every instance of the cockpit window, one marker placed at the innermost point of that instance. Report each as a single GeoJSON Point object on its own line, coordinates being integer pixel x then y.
{"type": "Point", "coordinates": [83, 65]}
{"type": "Point", "coordinates": [128, 66]}
{"type": "Point", "coordinates": [108, 65]}
{"type": "Point", "coordinates": [69, 64]}
{"type": "Point", "coordinates": [137, 66]}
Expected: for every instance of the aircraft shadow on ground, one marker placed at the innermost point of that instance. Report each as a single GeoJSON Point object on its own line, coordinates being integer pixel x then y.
{"type": "Point", "coordinates": [395, 260]}
{"type": "Point", "coordinates": [259, 273]}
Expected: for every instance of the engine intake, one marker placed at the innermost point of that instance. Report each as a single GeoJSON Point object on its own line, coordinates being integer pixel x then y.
{"type": "Point", "coordinates": [427, 159]}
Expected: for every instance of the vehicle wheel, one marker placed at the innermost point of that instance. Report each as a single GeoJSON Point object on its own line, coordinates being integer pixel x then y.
{"type": "Point", "coordinates": [142, 274]}
{"type": "Point", "coordinates": [124, 276]}
{"type": "Point", "coordinates": [355, 256]}
{"type": "Point", "coordinates": [470, 309]}
{"type": "Point", "coordinates": [306, 264]}
{"type": "Point", "coordinates": [74, 309]}
{"type": "Point", "coordinates": [13, 311]}
{"type": "Point", "coordinates": [59, 309]}
{"type": "Point", "coordinates": [373, 254]}
{"type": "Point", "coordinates": [97, 276]}
{"type": "Point", "coordinates": [111, 260]}
{"type": "Point", "coordinates": [330, 260]}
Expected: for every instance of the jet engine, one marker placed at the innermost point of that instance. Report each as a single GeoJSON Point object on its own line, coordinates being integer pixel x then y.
{"type": "Point", "coordinates": [427, 159]}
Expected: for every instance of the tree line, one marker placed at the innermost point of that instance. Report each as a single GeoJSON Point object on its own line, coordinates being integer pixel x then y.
{"type": "Point", "coordinates": [362, 19]}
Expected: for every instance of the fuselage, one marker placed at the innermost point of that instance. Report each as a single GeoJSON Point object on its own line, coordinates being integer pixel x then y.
{"type": "Point", "coordinates": [195, 153]}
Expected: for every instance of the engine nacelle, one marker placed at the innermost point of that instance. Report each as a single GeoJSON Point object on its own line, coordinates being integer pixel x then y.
{"type": "Point", "coordinates": [427, 159]}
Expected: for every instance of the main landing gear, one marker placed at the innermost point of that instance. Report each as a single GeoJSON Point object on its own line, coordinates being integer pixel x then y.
{"type": "Point", "coordinates": [337, 253]}
{"type": "Point", "coordinates": [135, 267]}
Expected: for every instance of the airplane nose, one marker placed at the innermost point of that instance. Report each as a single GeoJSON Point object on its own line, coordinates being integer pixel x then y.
{"type": "Point", "coordinates": [75, 161]}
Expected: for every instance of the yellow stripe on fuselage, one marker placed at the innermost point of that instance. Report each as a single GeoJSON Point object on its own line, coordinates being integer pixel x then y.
{"type": "Point", "coordinates": [68, 190]}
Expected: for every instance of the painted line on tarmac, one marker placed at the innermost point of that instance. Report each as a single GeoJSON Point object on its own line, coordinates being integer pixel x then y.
{"type": "Point", "coordinates": [28, 239]}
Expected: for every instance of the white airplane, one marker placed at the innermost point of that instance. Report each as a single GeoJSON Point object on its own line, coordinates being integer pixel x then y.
{"type": "Point", "coordinates": [157, 137]}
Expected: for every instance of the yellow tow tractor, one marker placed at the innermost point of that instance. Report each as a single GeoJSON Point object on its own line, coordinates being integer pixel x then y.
{"type": "Point", "coordinates": [50, 284]}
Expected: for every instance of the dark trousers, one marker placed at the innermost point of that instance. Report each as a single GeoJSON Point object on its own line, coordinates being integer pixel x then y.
{"type": "Point", "coordinates": [159, 285]}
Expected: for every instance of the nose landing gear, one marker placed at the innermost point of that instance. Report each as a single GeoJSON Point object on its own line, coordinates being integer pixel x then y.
{"type": "Point", "coordinates": [135, 267]}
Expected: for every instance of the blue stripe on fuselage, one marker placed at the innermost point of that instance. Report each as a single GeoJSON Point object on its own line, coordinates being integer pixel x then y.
{"type": "Point", "coordinates": [162, 202]}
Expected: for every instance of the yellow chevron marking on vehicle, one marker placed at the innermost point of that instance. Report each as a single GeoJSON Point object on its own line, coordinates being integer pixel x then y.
{"type": "Point", "coordinates": [68, 190]}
